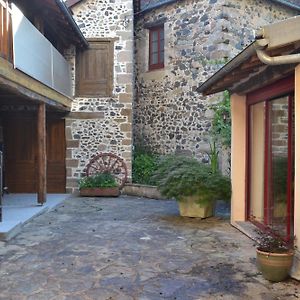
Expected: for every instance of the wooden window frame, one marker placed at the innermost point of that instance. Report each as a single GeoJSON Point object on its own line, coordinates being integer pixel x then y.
{"type": "Point", "coordinates": [96, 42]}
{"type": "Point", "coordinates": [159, 65]}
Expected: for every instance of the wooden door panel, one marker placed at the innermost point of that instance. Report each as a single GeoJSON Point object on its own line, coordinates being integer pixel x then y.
{"type": "Point", "coordinates": [56, 149]}
{"type": "Point", "coordinates": [20, 154]}
{"type": "Point", "coordinates": [20, 177]}
{"type": "Point", "coordinates": [56, 177]}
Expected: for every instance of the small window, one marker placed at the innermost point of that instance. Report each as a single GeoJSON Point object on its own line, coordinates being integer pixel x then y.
{"type": "Point", "coordinates": [156, 47]}
{"type": "Point", "coordinates": [94, 70]}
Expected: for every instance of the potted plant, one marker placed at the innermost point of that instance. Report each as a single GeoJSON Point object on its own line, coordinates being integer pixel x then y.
{"type": "Point", "coordinates": [100, 184]}
{"type": "Point", "coordinates": [192, 184]}
{"type": "Point", "coordinates": [274, 256]}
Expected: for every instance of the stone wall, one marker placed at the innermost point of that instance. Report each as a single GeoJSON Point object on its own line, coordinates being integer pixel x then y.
{"type": "Point", "coordinates": [279, 118]}
{"type": "Point", "coordinates": [200, 36]}
{"type": "Point", "coordinates": [102, 124]}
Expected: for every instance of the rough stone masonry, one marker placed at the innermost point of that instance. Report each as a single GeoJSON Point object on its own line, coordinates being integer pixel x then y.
{"type": "Point", "coordinates": [200, 36]}
{"type": "Point", "coordinates": [102, 124]}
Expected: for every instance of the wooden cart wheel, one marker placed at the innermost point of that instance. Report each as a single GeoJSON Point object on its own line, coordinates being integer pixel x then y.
{"type": "Point", "coordinates": [111, 163]}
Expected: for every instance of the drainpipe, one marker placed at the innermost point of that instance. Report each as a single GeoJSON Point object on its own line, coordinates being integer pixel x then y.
{"type": "Point", "coordinates": [260, 46]}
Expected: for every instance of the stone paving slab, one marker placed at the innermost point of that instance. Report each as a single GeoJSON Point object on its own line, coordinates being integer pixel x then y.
{"type": "Point", "coordinates": [17, 209]}
{"type": "Point", "coordinates": [131, 248]}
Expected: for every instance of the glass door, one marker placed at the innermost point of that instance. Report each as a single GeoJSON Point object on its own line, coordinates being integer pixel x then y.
{"type": "Point", "coordinates": [271, 175]}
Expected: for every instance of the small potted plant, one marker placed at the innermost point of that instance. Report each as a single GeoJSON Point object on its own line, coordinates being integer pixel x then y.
{"type": "Point", "coordinates": [192, 184]}
{"type": "Point", "coordinates": [99, 185]}
{"type": "Point", "coordinates": [274, 256]}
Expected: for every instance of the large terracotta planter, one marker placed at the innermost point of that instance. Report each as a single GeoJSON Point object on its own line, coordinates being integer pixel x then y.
{"type": "Point", "coordinates": [189, 206]}
{"type": "Point", "coordinates": [274, 266]}
{"type": "Point", "coordinates": [100, 192]}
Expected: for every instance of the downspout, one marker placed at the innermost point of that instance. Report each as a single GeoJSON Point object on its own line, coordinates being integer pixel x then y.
{"type": "Point", "coordinates": [260, 46]}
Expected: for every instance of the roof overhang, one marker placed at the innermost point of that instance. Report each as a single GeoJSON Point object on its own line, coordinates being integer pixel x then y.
{"type": "Point", "coordinates": [246, 71]}
{"type": "Point", "coordinates": [57, 17]}
{"type": "Point", "coordinates": [71, 3]}
{"type": "Point", "coordinates": [66, 12]}
{"type": "Point", "coordinates": [291, 4]}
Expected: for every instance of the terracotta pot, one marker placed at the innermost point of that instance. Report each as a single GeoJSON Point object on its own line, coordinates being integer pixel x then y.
{"type": "Point", "coordinates": [100, 192]}
{"type": "Point", "coordinates": [189, 206]}
{"type": "Point", "coordinates": [274, 266]}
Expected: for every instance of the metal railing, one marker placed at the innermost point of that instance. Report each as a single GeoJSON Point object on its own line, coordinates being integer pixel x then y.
{"type": "Point", "coordinates": [6, 37]}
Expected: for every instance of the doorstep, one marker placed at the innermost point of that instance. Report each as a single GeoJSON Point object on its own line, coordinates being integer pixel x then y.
{"type": "Point", "coordinates": [247, 228]}
{"type": "Point", "coordinates": [18, 209]}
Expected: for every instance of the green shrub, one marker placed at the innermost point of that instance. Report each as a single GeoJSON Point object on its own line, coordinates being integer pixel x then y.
{"type": "Point", "coordinates": [179, 176]}
{"type": "Point", "coordinates": [99, 180]}
{"type": "Point", "coordinates": [221, 123]}
{"type": "Point", "coordinates": [143, 166]}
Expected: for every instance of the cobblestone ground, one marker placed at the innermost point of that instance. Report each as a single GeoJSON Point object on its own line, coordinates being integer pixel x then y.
{"type": "Point", "coordinates": [131, 248]}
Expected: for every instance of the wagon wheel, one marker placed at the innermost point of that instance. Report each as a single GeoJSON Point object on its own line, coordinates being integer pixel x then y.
{"type": "Point", "coordinates": [110, 163]}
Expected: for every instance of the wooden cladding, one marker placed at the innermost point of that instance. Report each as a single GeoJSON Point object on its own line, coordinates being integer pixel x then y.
{"type": "Point", "coordinates": [6, 38]}
{"type": "Point", "coordinates": [94, 70]}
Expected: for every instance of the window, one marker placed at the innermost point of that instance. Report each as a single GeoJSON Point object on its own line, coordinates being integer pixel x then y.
{"type": "Point", "coordinates": [94, 70]}
{"type": "Point", "coordinates": [156, 47]}
{"type": "Point", "coordinates": [270, 157]}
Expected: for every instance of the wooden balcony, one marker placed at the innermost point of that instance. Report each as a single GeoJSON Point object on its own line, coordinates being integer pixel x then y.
{"type": "Point", "coordinates": [6, 37]}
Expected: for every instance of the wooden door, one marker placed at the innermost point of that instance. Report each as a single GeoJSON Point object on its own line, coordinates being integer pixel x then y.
{"type": "Point", "coordinates": [20, 154]}
{"type": "Point", "coordinates": [56, 148]}
{"type": "Point", "coordinates": [20, 137]}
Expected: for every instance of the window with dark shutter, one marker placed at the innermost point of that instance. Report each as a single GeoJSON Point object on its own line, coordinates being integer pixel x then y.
{"type": "Point", "coordinates": [156, 47]}
{"type": "Point", "coordinates": [94, 70]}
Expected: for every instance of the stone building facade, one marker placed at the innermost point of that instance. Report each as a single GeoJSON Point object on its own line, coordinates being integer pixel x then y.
{"type": "Point", "coordinates": [199, 37]}
{"type": "Point", "coordinates": [102, 124]}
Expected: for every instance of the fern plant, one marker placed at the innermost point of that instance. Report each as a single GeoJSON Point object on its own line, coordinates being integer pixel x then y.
{"type": "Point", "coordinates": [180, 176]}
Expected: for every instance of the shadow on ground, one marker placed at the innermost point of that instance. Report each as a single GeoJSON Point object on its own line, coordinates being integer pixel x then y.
{"type": "Point", "coordinates": [131, 248]}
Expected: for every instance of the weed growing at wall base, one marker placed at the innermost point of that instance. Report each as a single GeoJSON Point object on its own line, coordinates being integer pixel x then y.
{"type": "Point", "coordinates": [221, 124]}
{"type": "Point", "coordinates": [143, 166]}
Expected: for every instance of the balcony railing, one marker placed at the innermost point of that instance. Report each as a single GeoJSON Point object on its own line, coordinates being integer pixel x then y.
{"type": "Point", "coordinates": [37, 57]}
{"type": "Point", "coordinates": [6, 38]}
{"type": "Point", "coordinates": [30, 52]}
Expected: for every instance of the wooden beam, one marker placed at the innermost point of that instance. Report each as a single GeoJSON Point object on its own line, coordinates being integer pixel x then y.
{"type": "Point", "coordinates": [269, 75]}
{"type": "Point", "coordinates": [31, 88]}
{"type": "Point", "coordinates": [42, 154]}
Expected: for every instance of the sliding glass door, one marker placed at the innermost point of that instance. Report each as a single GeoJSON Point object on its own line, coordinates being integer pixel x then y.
{"type": "Point", "coordinates": [270, 165]}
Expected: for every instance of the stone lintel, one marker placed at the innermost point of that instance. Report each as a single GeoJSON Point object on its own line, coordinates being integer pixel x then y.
{"type": "Point", "coordinates": [156, 23]}
{"type": "Point", "coordinates": [85, 115]}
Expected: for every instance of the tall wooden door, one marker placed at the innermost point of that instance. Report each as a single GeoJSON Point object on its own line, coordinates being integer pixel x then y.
{"type": "Point", "coordinates": [56, 148]}
{"type": "Point", "coordinates": [20, 137]}
{"type": "Point", "coordinates": [20, 154]}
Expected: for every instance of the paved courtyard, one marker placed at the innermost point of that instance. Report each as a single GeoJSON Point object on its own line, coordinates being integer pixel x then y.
{"type": "Point", "coordinates": [131, 248]}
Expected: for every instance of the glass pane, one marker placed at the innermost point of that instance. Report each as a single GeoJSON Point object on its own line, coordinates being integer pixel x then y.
{"type": "Point", "coordinates": [154, 47]}
{"type": "Point", "coordinates": [278, 164]}
{"type": "Point", "coordinates": [161, 56]}
{"type": "Point", "coordinates": [161, 46]}
{"type": "Point", "coordinates": [154, 36]}
{"type": "Point", "coordinates": [154, 58]}
{"type": "Point", "coordinates": [257, 136]}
